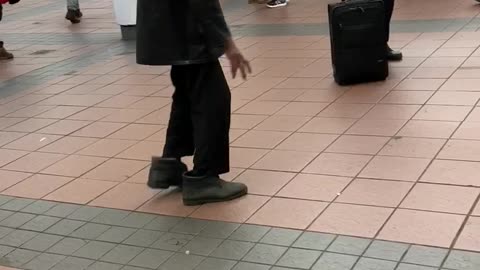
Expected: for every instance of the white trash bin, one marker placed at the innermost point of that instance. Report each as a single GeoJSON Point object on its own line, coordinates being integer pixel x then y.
{"type": "Point", "coordinates": [126, 17]}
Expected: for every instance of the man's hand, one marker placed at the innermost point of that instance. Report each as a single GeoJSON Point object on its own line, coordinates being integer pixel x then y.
{"type": "Point", "coordinates": [237, 61]}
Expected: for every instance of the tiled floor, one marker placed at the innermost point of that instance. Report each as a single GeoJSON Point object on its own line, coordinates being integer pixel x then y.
{"type": "Point", "coordinates": [37, 234]}
{"type": "Point", "coordinates": [395, 160]}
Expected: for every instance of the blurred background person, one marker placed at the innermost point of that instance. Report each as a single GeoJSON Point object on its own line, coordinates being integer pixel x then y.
{"type": "Point", "coordinates": [4, 54]}
{"type": "Point", "coordinates": [73, 11]}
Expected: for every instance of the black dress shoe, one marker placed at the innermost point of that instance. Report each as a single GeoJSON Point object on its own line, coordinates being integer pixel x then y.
{"type": "Point", "coordinates": [394, 55]}
{"type": "Point", "coordinates": [165, 172]}
{"type": "Point", "coordinates": [198, 190]}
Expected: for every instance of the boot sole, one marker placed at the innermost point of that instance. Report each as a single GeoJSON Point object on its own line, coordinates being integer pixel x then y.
{"type": "Point", "coordinates": [158, 185]}
{"type": "Point", "coordinates": [73, 20]}
{"type": "Point", "coordinates": [161, 184]}
{"type": "Point", "coordinates": [201, 202]}
{"type": "Point", "coordinates": [398, 59]}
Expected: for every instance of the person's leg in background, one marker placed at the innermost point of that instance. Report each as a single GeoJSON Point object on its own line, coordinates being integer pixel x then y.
{"type": "Point", "coordinates": [4, 54]}
{"type": "Point", "coordinates": [391, 54]}
{"type": "Point", "coordinates": [73, 14]}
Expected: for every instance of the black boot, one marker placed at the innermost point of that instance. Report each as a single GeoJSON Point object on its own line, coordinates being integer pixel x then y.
{"type": "Point", "coordinates": [72, 16]}
{"type": "Point", "coordinates": [393, 55]}
{"type": "Point", "coordinates": [165, 172]}
{"type": "Point", "coordinates": [4, 54]}
{"type": "Point", "coordinates": [79, 13]}
{"type": "Point", "coordinates": [198, 190]}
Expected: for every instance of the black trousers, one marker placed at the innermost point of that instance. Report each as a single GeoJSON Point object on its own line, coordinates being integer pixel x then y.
{"type": "Point", "coordinates": [389, 5]}
{"type": "Point", "coordinates": [200, 117]}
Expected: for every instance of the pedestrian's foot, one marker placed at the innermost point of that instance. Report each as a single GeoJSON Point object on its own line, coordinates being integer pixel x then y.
{"type": "Point", "coordinates": [79, 13]}
{"type": "Point", "coordinates": [4, 54]}
{"type": "Point", "coordinates": [393, 55]}
{"type": "Point", "coordinates": [198, 190]}
{"type": "Point", "coordinates": [165, 172]}
{"type": "Point", "coordinates": [277, 3]}
{"type": "Point", "coordinates": [73, 16]}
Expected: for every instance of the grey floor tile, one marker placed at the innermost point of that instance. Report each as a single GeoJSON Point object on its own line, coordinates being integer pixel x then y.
{"type": "Point", "coordinates": [42, 242]}
{"type": "Point", "coordinates": [217, 264]}
{"type": "Point", "coordinates": [299, 258]}
{"type": "Point", "coordinates": [190, 226]}
{"type": "Point", "coordinates": [111, 217]}
{"type": "Point", "coordinates": [44, 262]}
{"type": "Point", "coordinates": [94, 250]}
{"type": "Point", "coordinates": [333, 261]}
{"type": "Point", "coordinates": [5, 214]}
{"type": "Point", "coordinates": [374, 264]}
{"type": "Point", "coordinates": [282, 237]}
{"type": "Point", "coordinates": [121, 254]}
{"type": "Point", "coordinates": [17, 220]}
{"type": "Point", "coordinates": [40, 223]}
{"type": "Point", "coordinates": [266, 254]}
{"type": "Point", "coordinates": [428, 256]}
{"type": "Point", "coordinates": [143, 238]}
{"type": "Point", "coordinates": [137, 220]}
{"type": "Point", "coordinates": [463, 260]}
{"type": "Point", "coordinates": [232, 250]}
{"type": "Point", "coordinates": [312, 240]}
{"type": "Point", "coordinates": [404, 266]}
{"type": "Point", "coordinates": [5, 231]}
{"type": "Point", "coordinates": [116, 234]}
{"type": "Point", "coordinates": [39, 207]}
{"type": "Point", "coordinates": [172, 241]}
{"type": "Point", "coordinates": [68, 246]}
{"type": "Point", "coordinates": [18, 257]}
{"type": "Point", "coordinates": [62, 210]}
{"type": "Point", "coordinates": [386, 250]}
{"type": "Point", "coordinates": [217, 229]}
{"type": "Point", "coordinates": [349, 245]}
{"type": "Point", "coordinates": [73, 263]}
{"type": "Point", "coordinates": [90, 231]}
{"type": "Point", "coordinates": [202, 245]}
{"type": "Point", "coordinates": [65, 227]}
{"type": "Point", "coordinates": [17, 238]}
{"type": "Point", "coordinates": [151, 258]}
{"type": "Point", "coordinates": [128, 267]}
{"type": "Point", "coordinates": [251, 266]}
{"type": "Point", "coordinates": [4, 199]}
{"type": "Point", "coordinates": [251, 233]}
{"type": "Point", "coordinates": [104, 266]}
{"type": "Point", "coordinates": [86, 213]}
{"type": "Point", "coordinates": [16, 204]}
{"type": "Point", "coordinates": [163, 223]}
{"type": "Point", "coordinates": [182, 262]}
{"type": "Point", "coordinates": [4, 250]}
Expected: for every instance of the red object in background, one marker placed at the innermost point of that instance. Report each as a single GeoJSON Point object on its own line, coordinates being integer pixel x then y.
{"type": "Point", "coordinates": [3, 1]}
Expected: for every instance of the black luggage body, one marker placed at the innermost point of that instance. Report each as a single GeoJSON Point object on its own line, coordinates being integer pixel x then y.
{"type": "Point", "coordinates": [358, 41]}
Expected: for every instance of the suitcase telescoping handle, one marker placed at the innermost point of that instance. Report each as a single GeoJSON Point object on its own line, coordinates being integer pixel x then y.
{"type": "Point", "coordinates": [361, 9]}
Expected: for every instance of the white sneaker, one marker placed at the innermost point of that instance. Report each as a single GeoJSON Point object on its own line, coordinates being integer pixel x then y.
{"type": "Point", "coordinates": [277, 3]}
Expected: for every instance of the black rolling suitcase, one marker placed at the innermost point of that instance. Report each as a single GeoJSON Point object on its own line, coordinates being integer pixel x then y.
{"type": "Point", "coordinates": [358, 41]}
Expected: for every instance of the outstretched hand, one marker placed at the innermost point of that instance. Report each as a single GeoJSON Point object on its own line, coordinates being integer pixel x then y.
{"type": "Point", "coordinates": [237, 61]}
